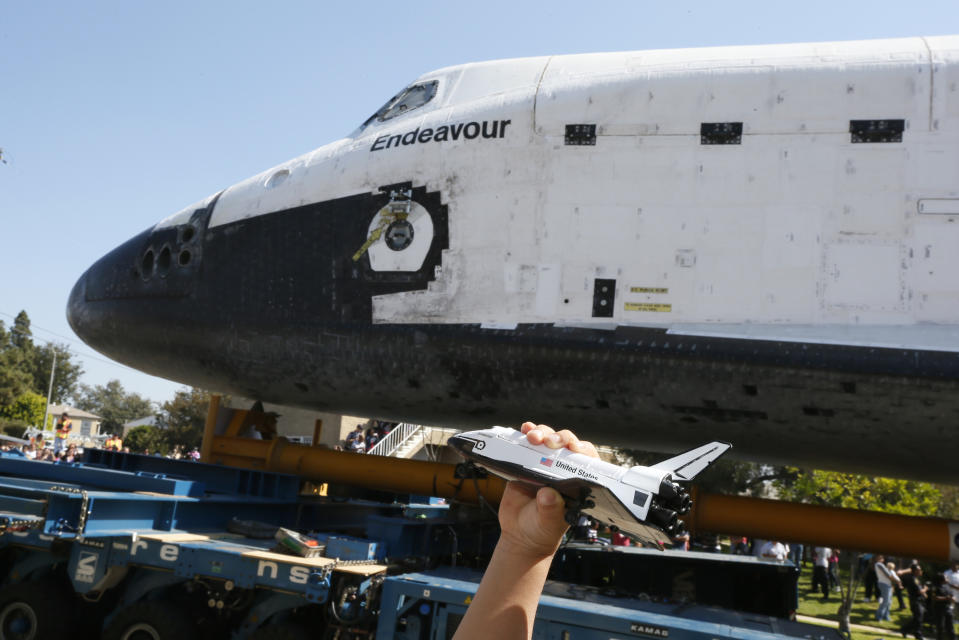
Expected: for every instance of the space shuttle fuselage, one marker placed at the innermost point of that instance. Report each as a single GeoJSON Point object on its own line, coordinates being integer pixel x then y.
{"type": "Point", "coordinates": [753, 244]}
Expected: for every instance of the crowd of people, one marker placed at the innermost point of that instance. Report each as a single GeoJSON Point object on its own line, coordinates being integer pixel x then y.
{"type": "Point", "coordinates": [881, 577]}
{"type": "Point", "coordinates": [64, 448]}
{"type": "Point", "coordinates": [363, 439]}
{"type": "Point", "coordinates": [40, 449]}
{"type": "Point", "coordinates": [884, 580]}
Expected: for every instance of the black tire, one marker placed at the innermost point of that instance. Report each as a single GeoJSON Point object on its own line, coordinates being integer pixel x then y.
{"type": "Point", "coordinates": [35, 611]}
{"type": "Point", "coordinates": [151, 620]}
{"type": "Point", "coordinates": [284, 631]}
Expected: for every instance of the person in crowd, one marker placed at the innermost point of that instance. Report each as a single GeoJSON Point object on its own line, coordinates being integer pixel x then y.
{"type": "Point", "coordinates": [30, 451]}
{"type": "Point", "coordinates": [912, 583]}
{"type": "Point", "coordinates": [867, 569]}
{"type": "Point", "coordinates": [63, 429]}
{"type": "Point", "coordinates": [581, 530]}
{"type": "Point", "coordinates": [897, 587]}
{"type": "Point", "coordinates": [353, 436]}
{"type": "Point", "coordinates": [774, 550]}
{"type": "Point", "coordinates": [885, 579]}
{"type": "Point", "coordinates": [620, 539]}
{"type": "Point", "coordinates": [942, 608]}
{"type": "Point", "coordinates": [952, 579]}
{"type": "Point", "coordinates": [372, 437]}
{"type": "Point", "coordinates": [796, 555]}
{"type": "Point", "coordinates": [592, 531]}
{"type": "Point", "coordinates": [532, 524]}
{"type": "Point", "coordinates": [194, 455]}
{"type": "Point", "coordinates": [834, 570]}
{"type": "Point", "coordinates": [113, 443]}
{"type": "Point", "coordinates": [820, 570]}
{"type": "Point", "coordinates": [681, 542]}
{"type": "Point", "coordinates": [70, 455]}
{"type": "Point", "coordinates": [741, 546]}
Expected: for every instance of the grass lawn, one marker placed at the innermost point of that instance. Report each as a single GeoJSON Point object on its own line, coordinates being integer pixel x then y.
{"type": "Point", "coordinates": [811, 604]}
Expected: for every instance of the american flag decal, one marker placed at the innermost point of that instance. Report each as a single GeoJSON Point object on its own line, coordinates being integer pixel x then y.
{"type": "Point", "coordinates": [546, 462]}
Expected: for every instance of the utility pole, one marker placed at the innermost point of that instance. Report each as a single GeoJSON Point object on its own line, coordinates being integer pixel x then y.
{"type": "Point", "coordinates": [46, 409]}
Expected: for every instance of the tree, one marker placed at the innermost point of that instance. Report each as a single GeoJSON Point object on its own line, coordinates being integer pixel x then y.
{"type": "Point", "coordinates": [26, 409]}
{"type": "Point", "coordinates": [183, 418]}
{"type": "Point", "coordinates": [65, 377]}
{"type": "Point", "coordinates": [14, 378]}
{"type": "Point", "coordinates": [853, 491]}
{"type": "Point", "coordinates": [112, 403]}
{"type": "Point", "coordinates": [21, 359]}
{"type": "Point", "coordinates": [20, 334]}
{"type": "Point", "coordinates": [144, 438]}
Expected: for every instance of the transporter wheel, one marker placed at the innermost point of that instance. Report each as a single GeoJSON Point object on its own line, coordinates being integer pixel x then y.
{"type": "Point", "coordinates": [151, 620]}
{"type": "Point", "coordinates": [283, 631]}
{"type": "Point", "coordinates": [35, 611]}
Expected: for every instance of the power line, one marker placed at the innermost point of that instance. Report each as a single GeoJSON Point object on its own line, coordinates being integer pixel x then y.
{"type": "Point", "coordinates": [74, 351]}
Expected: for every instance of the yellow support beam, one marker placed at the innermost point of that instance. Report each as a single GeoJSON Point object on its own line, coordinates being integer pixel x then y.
{"type": "Point", "coordinates": [930, 538]}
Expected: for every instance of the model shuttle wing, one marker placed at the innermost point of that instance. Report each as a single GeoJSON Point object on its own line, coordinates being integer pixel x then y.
{"type": "Point", "coordinates": [687, 466]}
{"type": "Point", "coordinates": [645, 502]}
{"type": "Point", "coordinates": [608, 508]}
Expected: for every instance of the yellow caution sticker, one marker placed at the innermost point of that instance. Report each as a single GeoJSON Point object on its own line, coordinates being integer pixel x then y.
{"type": "Point", "coordinates": [648, 306]}
{"type": "Point", "coordinates": [468, 600]}
{"type": "Point", "coordinates": [648, 290]}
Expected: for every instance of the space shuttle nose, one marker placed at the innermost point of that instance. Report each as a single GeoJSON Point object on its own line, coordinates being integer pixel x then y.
{"type": "Point", "coordinates": [76, 310]}
{"type": "Point", "coordinates": [131, 302]}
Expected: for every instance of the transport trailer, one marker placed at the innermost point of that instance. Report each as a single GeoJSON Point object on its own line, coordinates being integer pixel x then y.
{"type": "Point", "coordinates": [90, 551]}
{"type": "Point", "coordinates": [422, 606]}
{"type": "Point", "coordinates": [126, 546]}
{"type": "Point", "coordinates": [742, 583]}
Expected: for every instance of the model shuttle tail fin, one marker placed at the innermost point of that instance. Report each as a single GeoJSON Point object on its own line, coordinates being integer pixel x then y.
{"type": "Point", "coordinates": [687, 465]}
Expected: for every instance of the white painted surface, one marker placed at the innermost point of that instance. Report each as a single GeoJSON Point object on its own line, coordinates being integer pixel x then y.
{"type": "Point", "coordinates": [796, 233]}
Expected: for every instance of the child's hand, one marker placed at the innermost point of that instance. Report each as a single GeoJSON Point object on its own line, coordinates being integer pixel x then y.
{"type": "Point", "coordinates": [532, 521]}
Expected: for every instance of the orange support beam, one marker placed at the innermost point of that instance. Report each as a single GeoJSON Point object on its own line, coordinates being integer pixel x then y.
{"type": "Point", "coordinates": [358, 470]}
{"type": "Point", "coordinates": [909, 536]}
{"type": "Point", "coordinates": [896, 535]}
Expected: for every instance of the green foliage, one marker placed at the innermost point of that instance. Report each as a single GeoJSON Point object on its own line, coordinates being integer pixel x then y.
{"type": "Point", "coordinates": [25, 366]}
{"type": "Point", "coordinates": [66, 376]}
{"type": "Point", "coordinates": [183, 418]}
{"type": "Point", "coordinates": [20, 334]}
{"type": "Point", "coordinates": [26, 408]}
{"type": "Point", "coordinates": [144, 438]}
{"type": "Point", "coordinates": [112, 403]}
{"type": "Point", "coordinates": [853, 491]}
{"type": "Point", "coordinates": [14, 377]}
{"type": "Point", "coordinates": [949, 504]}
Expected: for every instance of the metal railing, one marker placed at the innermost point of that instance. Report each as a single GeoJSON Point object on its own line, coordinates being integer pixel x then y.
{"type": "Point", "coordinates": [395, 439]}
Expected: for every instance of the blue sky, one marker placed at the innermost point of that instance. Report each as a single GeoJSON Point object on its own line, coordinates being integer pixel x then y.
{"type": "Point", "coordinates": [113, 115]}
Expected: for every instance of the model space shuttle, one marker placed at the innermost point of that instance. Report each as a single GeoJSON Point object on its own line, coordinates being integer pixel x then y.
{"type": "Point", "coordinates": [645, 502]}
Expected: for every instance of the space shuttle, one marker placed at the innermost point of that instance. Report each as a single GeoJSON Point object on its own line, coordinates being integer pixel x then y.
{"type": "Point", "coordinates": [752, 244]}
{"type": "Point", "coordinates": [645, 502]}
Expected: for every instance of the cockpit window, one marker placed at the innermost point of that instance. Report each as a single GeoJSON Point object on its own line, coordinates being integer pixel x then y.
{"type": "Point", "coordinates": [412, 97]}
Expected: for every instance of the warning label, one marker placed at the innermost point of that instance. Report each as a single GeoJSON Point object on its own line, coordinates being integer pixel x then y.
{"type": "Point", "coordinates": [648, 306]}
